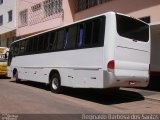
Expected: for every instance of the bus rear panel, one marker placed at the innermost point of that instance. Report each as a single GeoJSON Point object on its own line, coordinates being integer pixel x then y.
{"type": "Point", "coordinates": [129, 64]}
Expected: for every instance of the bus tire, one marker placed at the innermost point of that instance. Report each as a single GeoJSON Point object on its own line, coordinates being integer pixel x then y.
{"type": "Point", "coordinates": [15, 76]}
{"type": "Point", "coordinates": [55, 83]}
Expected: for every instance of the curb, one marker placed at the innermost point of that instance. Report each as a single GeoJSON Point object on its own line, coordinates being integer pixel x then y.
{"type": "Point", "coordinates": [152, 99]}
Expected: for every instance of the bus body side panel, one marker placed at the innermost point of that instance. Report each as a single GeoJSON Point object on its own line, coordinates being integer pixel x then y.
{"type": "Point", "coordinates": [77, 68]}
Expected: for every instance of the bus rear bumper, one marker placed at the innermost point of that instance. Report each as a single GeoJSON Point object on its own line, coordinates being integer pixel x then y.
{"type": "Point", "coordinates": [110, 80]}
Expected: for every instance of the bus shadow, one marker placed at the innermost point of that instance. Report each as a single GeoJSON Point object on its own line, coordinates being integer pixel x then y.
{"type": "Point", "coordinates": [94, 95]}
{"type": "Point", "coordinates": [33, 84]}
{"type": "Point", "coordinates": [103, 96]}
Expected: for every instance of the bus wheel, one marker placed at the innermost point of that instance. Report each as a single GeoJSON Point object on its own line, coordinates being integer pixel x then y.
{"type": "Point", "coordinates": [16, 77]}
{"type": "Point", "coordinates": [55, 83]}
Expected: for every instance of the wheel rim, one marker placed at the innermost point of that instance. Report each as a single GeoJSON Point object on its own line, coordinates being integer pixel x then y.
{"type": "Point", "coordinates": [55, 83]}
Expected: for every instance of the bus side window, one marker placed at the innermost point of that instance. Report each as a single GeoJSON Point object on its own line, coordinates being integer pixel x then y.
{"type": "Point", "coordinates": [16, 46]}
{"type": "Point", "coordinates": [60, 40]}
{"type": "Point", "coordinates": [31, 40]}
{"type": "Point", "coordinates": [66, 40]}
{"type": "Point", "coordinates": [72, 37]}
{"type": "Point", "coordinates": [27, 45]}
{"type": "Point", "coordinates": [98, 31]}
{"type": "Point", "coordinates": [45, 41]}
{"type": "Point", "coordinates": [19, 47]}
{"type": "Point", "coordinates": [40, 43]}
{"type": "Point", "coordinates": [35, 42]}
{"type": "Point", "coordinates": [22, 47]}
{"type": "Point", "coordinates": [88, 33]}
{"type": "Point", "coordinates": [12, 49]}
{"type": "Point", "coordinates": [81, 34]}
{"type": "Point", "coordinates": [52, 40]}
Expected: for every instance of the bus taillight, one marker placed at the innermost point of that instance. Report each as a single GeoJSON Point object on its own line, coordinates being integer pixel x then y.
{"type": "Point", "coordinates": [111, 65]}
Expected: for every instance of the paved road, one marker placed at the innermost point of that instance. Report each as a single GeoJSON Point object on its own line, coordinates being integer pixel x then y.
{"type": "Point", "coordinates": [35, 98]}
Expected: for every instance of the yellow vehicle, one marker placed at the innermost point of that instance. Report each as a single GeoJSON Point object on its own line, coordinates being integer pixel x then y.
{"type": "Point", "coordinates": [3, 61]}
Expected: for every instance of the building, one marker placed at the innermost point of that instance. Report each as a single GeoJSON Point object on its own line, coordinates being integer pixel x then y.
{"type": "Point", "coordinates": [144, 9]}
{"type": "Point", "coordinates": [38, 15]}
{"type": "Point", "coordinates": [20, 18]}
{"type": "Point", "coordinates": [7, 22]}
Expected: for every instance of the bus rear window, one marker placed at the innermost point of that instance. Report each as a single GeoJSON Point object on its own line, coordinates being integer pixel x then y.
{"type": "Point", "coordinates": [132, 28]}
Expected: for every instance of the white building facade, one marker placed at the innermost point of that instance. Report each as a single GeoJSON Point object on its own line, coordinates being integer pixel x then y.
{"type": "Point", "coordinates": [7, 22]}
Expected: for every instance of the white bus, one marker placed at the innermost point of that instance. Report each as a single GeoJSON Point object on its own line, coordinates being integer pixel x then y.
{"type": "Point", "coordinates": [106, 51]}
{"type": "Point", "coordinates": [3, 61]}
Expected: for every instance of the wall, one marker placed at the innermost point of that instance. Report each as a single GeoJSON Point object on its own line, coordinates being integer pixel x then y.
{"type": "Point", "coordinates": [56, 20]}
{"type": "Point", "coordinates": [151, 11]}
{"type": "Point", "coordinates": [122, 6]}
{"type": "Point", "coordinates": [7, 30]}
{"type": "Point", "coordinates": [4, 8]}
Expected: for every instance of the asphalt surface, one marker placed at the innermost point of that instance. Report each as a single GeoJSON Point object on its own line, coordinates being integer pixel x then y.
{"type": "Point", "coordinates": [35, 98]}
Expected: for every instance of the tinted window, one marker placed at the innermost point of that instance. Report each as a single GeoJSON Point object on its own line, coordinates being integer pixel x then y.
{"type": "Point", "coordinates": [88, 33]}
{"type": "Point", "coordinates": [41, 43]}
{"type": "Point", "coordinates": [85, 34]}
{"type": "Point", "coordinates": [98, 31]}
{"type": "Point", "coordinates": [60, 40]}
{"type": "Point", "coordinates": [46, 39]}
{"type": "Point", "coordinates": [22, 47]}
{"type": "Point", "coordinates": [35, 43]}
{"type": "Point", "coordinates": [132, 28]}
{"type": "Point", "coordinates": [30, 45]}
{"type": "Point", "coordinates": [52, 40]}
{"type": "Point", "coordinates": [16, 46]}
{"type": "Point", "coordinates": [71, 37]}
{"type": "Point", "coordinates": [80, 35]}
{"type": "Point", "coordinates": [92, 33]}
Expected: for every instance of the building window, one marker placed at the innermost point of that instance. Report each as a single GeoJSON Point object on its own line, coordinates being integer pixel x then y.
{"type": "Point", "coordinates": [52, 7]}
{"type": "Point", "coordinates": [1, 2]}
{"type": "Point", "coordinates": [146, 19]}
{"type": "Point", "coordinates": [85, 4]}
{"type": "Point", "coordinates": [23, 17]}
{"type": "Point", "coordinates": [36, 7]}
{"type": "Point", "coordinates": [1, 20]}
{"type": "Point", "coordinates": [10, 16]}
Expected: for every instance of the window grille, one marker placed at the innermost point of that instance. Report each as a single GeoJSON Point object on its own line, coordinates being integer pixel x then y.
{"type": "Point", "coordinates": [23, 17]}
{"type": "Point", "coordinates": [85, 4]}
{"type": "Point", "coordinates": [52, 7]}
{"type": "Point", "coordinates": [36, 7]}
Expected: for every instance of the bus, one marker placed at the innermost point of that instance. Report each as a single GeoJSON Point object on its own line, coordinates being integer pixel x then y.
{"type": "Point", "coordinates": [110, 50]}
{"type": "Point", "coordinates": [3, 61]}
